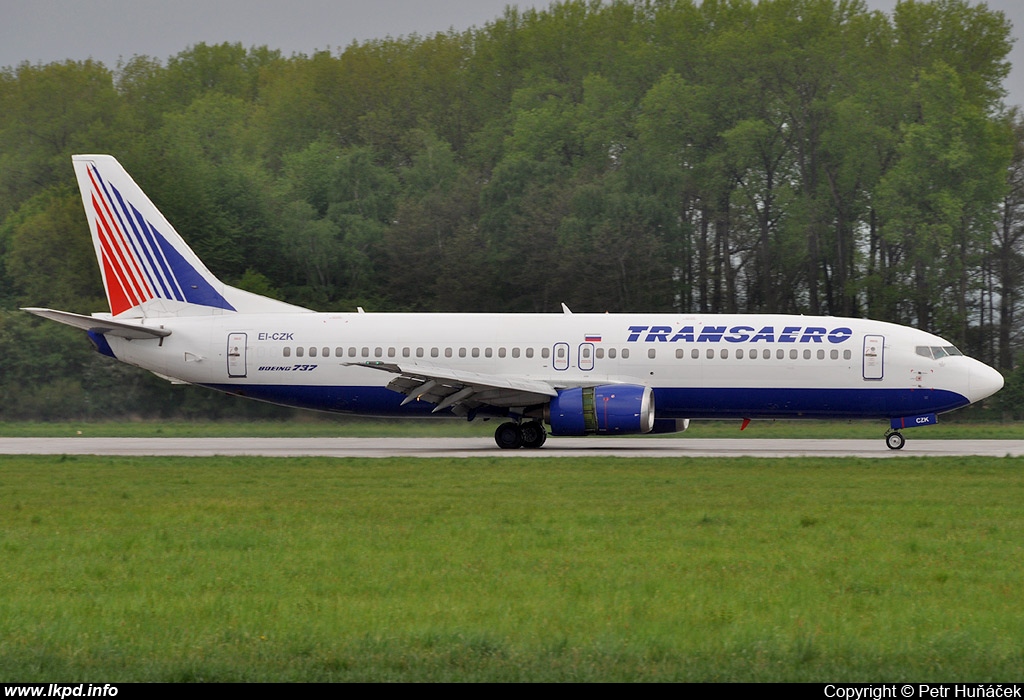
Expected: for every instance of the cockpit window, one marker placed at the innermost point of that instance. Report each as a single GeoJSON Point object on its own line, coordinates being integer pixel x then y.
{"type": "Point", "coordinates": [938, 351]}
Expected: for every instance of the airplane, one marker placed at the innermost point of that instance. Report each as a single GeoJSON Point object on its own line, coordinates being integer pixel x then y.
{"type": "Point", "coordinates": [556, 373]}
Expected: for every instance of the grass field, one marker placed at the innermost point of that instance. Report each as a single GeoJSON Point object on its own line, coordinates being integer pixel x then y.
{"type": "Point", "coordinates": [316, 426]}
{"type": "Point", "coordinates": [600, 569]}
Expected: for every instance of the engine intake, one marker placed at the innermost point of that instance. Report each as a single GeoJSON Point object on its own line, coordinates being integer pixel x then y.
{"type": "Point", "coordinates": [614, 409]}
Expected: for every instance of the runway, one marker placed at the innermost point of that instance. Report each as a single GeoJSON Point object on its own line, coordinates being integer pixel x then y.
{"type": "Point", "coordinates": [484, 447]}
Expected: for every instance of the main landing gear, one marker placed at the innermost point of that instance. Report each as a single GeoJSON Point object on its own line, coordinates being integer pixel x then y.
{"type": "Point", "coordinates": [894, 441]}
{"type": "Point", "coordinates": [510, 436]}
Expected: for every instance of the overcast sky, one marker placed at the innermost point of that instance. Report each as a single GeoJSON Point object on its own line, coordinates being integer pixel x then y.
{"type": "Point", "coordinates": [106, 30]}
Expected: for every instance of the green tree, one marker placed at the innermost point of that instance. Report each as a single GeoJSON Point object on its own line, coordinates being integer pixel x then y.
{"type": "Point", "coordinates": [47, 113]}
{"type": "Point", "coordinates": [48, 253]}
{"type": "Point", "coordinates": [941, 195]}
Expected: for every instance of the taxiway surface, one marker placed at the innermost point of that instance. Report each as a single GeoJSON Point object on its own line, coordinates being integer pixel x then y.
{"type": "Point", "coordinates": [485, 447]}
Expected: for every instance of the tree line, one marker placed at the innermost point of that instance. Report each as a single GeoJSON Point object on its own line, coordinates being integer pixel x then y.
{"type": "Point", "coordinates": [802, 156]}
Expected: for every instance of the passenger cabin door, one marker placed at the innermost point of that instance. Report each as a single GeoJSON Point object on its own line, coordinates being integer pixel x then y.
{"type": "Point", "coordinates": [236, 355]}
{"type": "Point", "coordinates": [874, 357]}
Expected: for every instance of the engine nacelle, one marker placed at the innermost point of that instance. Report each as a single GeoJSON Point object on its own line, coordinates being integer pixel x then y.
{"type": "Point", "coordinates": [670, 425]}
{"type": "Point", "coordinates": [613, 409]}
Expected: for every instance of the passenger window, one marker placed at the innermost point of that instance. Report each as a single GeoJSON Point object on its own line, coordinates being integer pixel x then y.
{"type": "Point", "coordinates": [546, 353]}
{"type": "Point", "coordinates": [476, 352]}
{"type": "Point", "coordinates": [501, 352]}
{"type": "Point", "coordinates": [724, 353]}
{"type": "Point", "coordinates": [351, 352]}
{"type": "Point", "coordinates": [447, 352]}
{"type": "Point", "coordinates": [391, 352]}
{"type": "Point", "coordinates": [611, 353]}
{"type": "Point", "coordinates": [339, 352]}
{"type": "Point", "coordinates": [739, 353]}
{"type": "Point", "coordinates": [286, 352]}
{"type": "Point", "coordinates": [807, 354]}
{"type": "Point", "coordinates": [378, 352]}
{"type": "Point", "coordinates": [365, 352]}
{"type": "Point", "coordinates": [462, 352]}
{"type": "Point", "coordinates": [434, 352]}
{"type": "Point", "coordinates": [419, 352]}
{"type": "Point", "coordinates": [299, 352]}
{"type": "Point", "coordinates": [834, 354]}
{"type": "Point", "coordinates": [792, 354]}
{"type": "Point", "coordinates": [766, 354]}
{"type": "Point", "coordinates": [847, 354]}
{"type": "Point", "coordinates": [679, 353]}
{"type": "Point", "coordinates": [529, 352]}
{"type": "Point", "coordinates": [488, 352]}
{"type": "Point", "coordinates": [695, 354]}
{"type": "Point", "coordinates": [406, 352]}
{"type": "Point", "coordinates": [652, 353]}
{"type": "Point", "coordinates": [710, 354]}
{"type": "Point", "coordinates": [625, 353]}
{"type": "Point", "coordinates": [515, 352]}
{"type": "Point", "coordinates": [821, 354]}
{"type": "Point", "coordinates": [326, 352]}
{"type": "Point", "coordinates": [780, 354]}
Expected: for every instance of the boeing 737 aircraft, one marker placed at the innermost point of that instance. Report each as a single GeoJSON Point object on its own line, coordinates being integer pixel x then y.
{"type": "Point", "coordinates": [579, 374]}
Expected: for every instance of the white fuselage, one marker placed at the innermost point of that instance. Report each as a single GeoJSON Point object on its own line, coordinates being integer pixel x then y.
{"type": "Point", "coordinates": [699, 366]}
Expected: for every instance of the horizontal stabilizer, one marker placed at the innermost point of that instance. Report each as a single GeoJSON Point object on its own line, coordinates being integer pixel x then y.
{"type": "Point", "coordinates": [104, 326]}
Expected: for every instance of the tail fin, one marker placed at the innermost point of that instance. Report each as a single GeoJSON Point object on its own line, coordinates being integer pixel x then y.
{"type": "Point", "coordinates": [147, 268]}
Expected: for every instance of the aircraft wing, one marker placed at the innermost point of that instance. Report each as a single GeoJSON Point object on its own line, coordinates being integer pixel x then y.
{"type": "Point", "coordinates": [461, 391]}
{"type": "Point", "coordinates": [104, 326]}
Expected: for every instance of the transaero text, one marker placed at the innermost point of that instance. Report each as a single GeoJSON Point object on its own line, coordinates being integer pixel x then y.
{"type": "Point", "coordinates": [923, 690]}
{"type": "Point", "coordinates": [737, 334]}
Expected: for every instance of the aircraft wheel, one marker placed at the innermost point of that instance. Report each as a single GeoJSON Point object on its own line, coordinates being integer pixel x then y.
{"type": "Point", "coordinates": [533, 434]}
{"type": "Point", "coordinates": [895, 441]}
{"type": "Point", "coordinates": [508, 436]}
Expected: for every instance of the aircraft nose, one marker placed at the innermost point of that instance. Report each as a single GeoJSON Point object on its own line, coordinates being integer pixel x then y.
{"type": "Point", "coordinates": [984, 381]}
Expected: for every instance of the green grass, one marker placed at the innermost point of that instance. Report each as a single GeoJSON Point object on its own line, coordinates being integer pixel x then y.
{"type": "Point", "coordinates": [313, 426]}
{"type": "Point", "coordinates": [599, 569]}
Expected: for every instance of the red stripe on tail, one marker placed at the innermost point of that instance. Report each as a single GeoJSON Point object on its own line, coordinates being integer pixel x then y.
{"type": "Point", "coordinates": [135, 290]}
{"type": "Point", "coordinates": [133, 279]}
{"type": "Point", "coordinates": [115, 292]}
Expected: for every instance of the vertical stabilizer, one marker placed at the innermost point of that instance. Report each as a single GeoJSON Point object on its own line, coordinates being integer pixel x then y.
{"type": "Point", "coordinates": [147, 268]}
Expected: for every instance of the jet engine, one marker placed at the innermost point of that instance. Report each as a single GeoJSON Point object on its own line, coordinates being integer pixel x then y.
{"type": "Point", "coordinates": [613, 409]}
{"type": "Point", "coordinates": [670, 425]}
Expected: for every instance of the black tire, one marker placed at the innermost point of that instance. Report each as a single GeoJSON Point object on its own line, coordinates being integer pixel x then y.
{"type": "Point", "coordinates": [533, 434]}
{"type": "Point", "coordinates": [895, 441]}
{"type": "Point", "coordinates": [508, 436]}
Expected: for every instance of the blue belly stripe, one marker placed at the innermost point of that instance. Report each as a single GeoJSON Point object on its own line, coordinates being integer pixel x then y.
{"type": "Point", "coordinates": [668, 402]}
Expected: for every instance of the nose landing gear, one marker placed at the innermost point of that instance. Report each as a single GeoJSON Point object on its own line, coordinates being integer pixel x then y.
{"type": "Point", "coordinates": [894, 440]}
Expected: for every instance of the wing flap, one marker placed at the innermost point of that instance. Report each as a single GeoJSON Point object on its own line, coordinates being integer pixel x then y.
{"type": "Point", "coordinates": [459, 390]}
